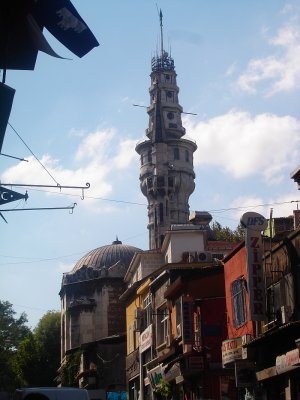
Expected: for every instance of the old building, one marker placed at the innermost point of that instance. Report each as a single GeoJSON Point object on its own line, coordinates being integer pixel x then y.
{"type": "Point", "coordinates": [93, 318]}
{"type": "Point", "coordinates": [263, 305]}
{"type": "Point", "coordinates": [175, 317]}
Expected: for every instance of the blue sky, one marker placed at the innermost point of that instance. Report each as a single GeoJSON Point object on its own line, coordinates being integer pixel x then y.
{"type": "Point", "coordinates": [238, 67]}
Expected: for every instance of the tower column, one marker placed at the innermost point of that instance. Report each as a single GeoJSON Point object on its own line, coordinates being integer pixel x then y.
{"type": "Point", "coordinates": [166, 171]}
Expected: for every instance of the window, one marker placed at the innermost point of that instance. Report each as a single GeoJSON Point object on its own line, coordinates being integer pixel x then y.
{"type": "Point", "coordinates": [162, 325]}
{"type": "Point", "coordinates": [149, 156]}
{"type": "Point", "coordinates": [176, 153]}
{"type": "Point", "coordinates": [238, 298]}
{"type": "Point", "coordinates": [149, 183]}
{"type": "Point", "coordinates": [280, 299]}
{"type": "Point", "coordinates": [147, 312]}
{"type": "Point", "coordinates": [187, 156]}
{"type": "Point", "coordinates": [178, 311]}
{"type": "Point", "coordinates": [161, 213]}
{"type": "Point", "coordinates": [169, 94]}
{"type": "Point", "coordinates": [198, 328]}
{"type": "Point", "coordinates": [274, 302]}
{"type": "Point", "coordinates": [160, 181]}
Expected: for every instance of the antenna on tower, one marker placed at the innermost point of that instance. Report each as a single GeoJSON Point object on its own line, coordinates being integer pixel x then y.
{"type": "Point", "coordinates": [161, 35]}
{"type": "Point", "coordinates": [161, 32]}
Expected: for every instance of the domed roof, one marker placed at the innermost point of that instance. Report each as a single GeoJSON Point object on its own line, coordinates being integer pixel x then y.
{"type": "Point", "coordinates": [109, 260]}
{"type": "Point", "coordinates": [107, 256]}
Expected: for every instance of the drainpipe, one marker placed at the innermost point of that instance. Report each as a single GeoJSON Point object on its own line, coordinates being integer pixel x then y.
{"type": "Point", "coordinates": [141, 395]}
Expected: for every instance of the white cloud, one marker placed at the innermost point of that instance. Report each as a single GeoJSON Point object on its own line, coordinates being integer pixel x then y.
{"type": "Point", "coordinates": [76, 132]}
{"type": "Point", "coordinates": [282, 206]}
{"type": "Point", "coordinates": [230, 70]}
{"type": "Point", "coordinates": [280, 73]}
{"type": "Point", "coordinates": [242, 204]}
{"type": "Point", "coordinates": [95, 146]}
{"type": "Point", "coordinates": [126, 154]}
{"type": "Point", "coordinates": [243, 145]}
{"type": "Point", "coordinates": [98, 157]}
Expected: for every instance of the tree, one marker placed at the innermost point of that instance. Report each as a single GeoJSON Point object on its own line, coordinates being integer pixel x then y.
{"type": "Point", "coordinates": [70, 369]}
{"type": "Point", "coordinates": [38, 357]}
{"type": "Point", "coordinates": [12, 331]}
{"type": "Point", "coordinates": [225, 233]}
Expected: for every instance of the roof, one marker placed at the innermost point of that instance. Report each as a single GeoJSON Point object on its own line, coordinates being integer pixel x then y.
{"type": "Point", "coordinates": [105, 258]}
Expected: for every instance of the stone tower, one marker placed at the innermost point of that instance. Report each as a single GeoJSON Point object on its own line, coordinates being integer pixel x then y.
{"type": "Point", "coordinates": [166, 172]}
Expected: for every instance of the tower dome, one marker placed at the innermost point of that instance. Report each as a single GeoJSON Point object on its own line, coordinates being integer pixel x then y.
{"type": "Point", "coordinates": [100, 259]}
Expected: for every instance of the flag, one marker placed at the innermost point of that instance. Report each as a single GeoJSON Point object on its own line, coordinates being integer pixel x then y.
{"type": "Point", "coordinates": [7, 196]}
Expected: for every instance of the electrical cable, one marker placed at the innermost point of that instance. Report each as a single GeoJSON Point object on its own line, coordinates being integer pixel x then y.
{"type": "Point", "coordinates": [33, 154]}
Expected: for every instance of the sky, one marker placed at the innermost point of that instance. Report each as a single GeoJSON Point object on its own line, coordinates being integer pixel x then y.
{"type": "Point", "coordinates": [238, 70]}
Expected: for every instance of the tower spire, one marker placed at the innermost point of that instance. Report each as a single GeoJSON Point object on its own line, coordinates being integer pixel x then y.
{"type": "Point", "coordinates": [161, 35]}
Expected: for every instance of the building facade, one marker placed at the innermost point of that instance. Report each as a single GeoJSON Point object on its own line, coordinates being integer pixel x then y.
{"type": "Point", "coordinates": [264, 352]}
{"type": "Point", "coordinates": [176, 319]}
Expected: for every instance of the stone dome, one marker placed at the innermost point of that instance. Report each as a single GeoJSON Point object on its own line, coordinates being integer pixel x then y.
{"type": "Point", "coordinates": [97, 262]}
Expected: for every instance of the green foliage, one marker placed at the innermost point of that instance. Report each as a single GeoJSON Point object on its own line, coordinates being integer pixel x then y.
{"type": "Point", "coordinates": [225, 233]}
{"type": "Point", "coordinates": [70, 369]}
{"type": "Point", "coordinates": [37, 360]}
{"type": "Point", "coordinates": [163, 389]}
{"type": "Point", "coordinates": [12, 331]}
{"type": "Point", "coordinates": [25, 362]}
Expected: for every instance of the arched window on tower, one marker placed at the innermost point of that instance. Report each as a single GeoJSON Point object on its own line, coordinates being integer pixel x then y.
{"type": "Point", "coordinates": [161, 239]}
{"type": "Point", "coordinates": [176, 153]}
{"type": "Point", "coordinates": [187, 156]}
{"type": "Point", "coordinates": [170, 96]}
{"type": "Point", "coordinates": [161, 212]}
{"type": "Point", "coordinates": [149, 156]}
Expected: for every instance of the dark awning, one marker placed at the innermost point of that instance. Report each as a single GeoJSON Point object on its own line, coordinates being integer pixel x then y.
{"type": "Point", "coordinates": [21, 26]}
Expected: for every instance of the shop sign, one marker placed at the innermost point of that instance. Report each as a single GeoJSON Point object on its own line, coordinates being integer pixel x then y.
{"type": "Point", "coordinates": [146, 381]}
{"type": "Point", "coordinates": [146, 339]}
{"type": "Point", "coordinates": [287, 362]}
{"type": "Point", "coordinates": [254, 223]}
{"type": "Point", "coordinates": [155, 375]}
{"type": "Point", "coordinates": [231, 350]}
{"type": "Point", "coordinates": [172, 373]}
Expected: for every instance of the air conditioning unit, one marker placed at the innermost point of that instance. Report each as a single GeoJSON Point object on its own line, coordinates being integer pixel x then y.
{"type": "Point", "coordinates": [199, 256]}
{"type": "Point", "coordinates": [286, 313]}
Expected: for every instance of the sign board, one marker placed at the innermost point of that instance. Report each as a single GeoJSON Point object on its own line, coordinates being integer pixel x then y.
{"type": "Point", "coordinates": [146, 339]}
{"type": "Point", "coordinates": [231, 350]}
{"type": "Point", "coordinates": [287, 362]}
{"type": "Point", "coordinates": [254, 223]}
{"type": "Point", "coordinates": [155, 375]}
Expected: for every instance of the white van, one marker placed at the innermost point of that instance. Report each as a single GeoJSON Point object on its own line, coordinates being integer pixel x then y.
{"type": "Point", "coordinates": [51, 393]}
